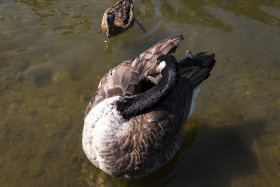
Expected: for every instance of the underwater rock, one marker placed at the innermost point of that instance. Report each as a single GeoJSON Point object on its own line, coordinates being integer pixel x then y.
{"type": "Point", "coordinates": [40, 73]}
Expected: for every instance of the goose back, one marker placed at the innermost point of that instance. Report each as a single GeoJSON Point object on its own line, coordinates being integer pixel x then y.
{"type": "Point", "coordinates": [124, 79]}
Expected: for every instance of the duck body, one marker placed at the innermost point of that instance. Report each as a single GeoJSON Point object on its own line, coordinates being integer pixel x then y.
{"type": "Point", "coordinates": [118, 18]}
{"type": "Point", "coordinates": [128, 143]}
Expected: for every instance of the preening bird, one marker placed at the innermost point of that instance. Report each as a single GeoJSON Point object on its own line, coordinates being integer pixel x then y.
{"type": "Point", "coordinates": [134, 122]}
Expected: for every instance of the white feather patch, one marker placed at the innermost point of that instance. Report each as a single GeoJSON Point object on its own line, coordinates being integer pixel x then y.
{"type": "Point", "coordinates": [101, 126]}
{"type": "Point", "coordinates": [161, 66]}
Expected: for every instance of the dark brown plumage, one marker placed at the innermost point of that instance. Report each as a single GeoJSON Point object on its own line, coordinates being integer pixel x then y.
{"type": "Point", "coordinates": [118, 18]}
{"type": "Point", "coordinates": [149, 140]}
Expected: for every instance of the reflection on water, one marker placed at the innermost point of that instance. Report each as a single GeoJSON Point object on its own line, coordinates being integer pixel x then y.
{"type": "Point", "coordinates": [53, 54]}
{"type": "Point", "coordinates": [191, 12]}
{"type": "Point", "coordinates": [252, 10]}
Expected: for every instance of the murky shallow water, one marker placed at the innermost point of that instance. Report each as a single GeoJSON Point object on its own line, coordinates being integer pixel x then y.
{"type": "Point", "coordinates": [52, 55]}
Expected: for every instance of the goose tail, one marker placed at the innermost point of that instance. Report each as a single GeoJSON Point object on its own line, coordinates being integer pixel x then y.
{"type": "Point", "coordinates": [197, 67]}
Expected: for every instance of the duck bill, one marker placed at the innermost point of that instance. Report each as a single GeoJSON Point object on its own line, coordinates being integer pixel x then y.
{"type": "Point", "coordinates": [109, 32]}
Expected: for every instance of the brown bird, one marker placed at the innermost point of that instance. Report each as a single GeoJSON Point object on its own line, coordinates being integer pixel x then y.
{"type": "Point", "coordinates": [134, 122]}
{"type": "Point", "coordinates": [118, 18]}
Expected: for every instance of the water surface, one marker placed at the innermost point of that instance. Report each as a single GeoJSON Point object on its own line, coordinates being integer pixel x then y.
{"type": "Point", "coordinates": [53, 54]}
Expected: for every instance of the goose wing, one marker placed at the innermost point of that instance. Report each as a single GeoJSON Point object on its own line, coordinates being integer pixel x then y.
{"type": "Point", "coordinates": [150, 140]}
{"type": "Point", "coordinates": [197, 68]}
{"type": "Point", "coordinates": [123, 79]}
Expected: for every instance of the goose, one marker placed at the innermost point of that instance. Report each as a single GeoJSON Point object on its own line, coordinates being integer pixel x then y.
{"type": "Point", "coordinates": [134, 122]}
{"type": "Point", "coordinates": [118, 18]}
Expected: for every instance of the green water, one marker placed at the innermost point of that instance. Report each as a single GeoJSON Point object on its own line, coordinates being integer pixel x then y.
{"type": "Point", "coordinates": [52, 55]}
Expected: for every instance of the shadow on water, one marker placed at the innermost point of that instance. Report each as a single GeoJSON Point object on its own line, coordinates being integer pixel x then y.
{"type": "Point", "coordinates": [217, 153]}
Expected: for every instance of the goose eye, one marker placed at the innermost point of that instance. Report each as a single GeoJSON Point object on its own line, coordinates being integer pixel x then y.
{"type": "Point", "coordinates": [149, 72]}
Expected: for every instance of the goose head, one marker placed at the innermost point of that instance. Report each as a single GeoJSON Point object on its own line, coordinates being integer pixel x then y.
{"type": "Point", "coordinates": [110, 22]}
{"type": "Point", "coordinates": [154, 74]}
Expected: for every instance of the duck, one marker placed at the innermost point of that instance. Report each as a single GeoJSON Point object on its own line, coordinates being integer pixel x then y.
{"type": "Point", "coordinates": [118, 18]}
{"type": "Point", "coordinates": [134, 122]}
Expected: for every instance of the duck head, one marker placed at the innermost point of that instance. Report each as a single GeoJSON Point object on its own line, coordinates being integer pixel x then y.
{"type": "Point", "coordinates": [110, 22]}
